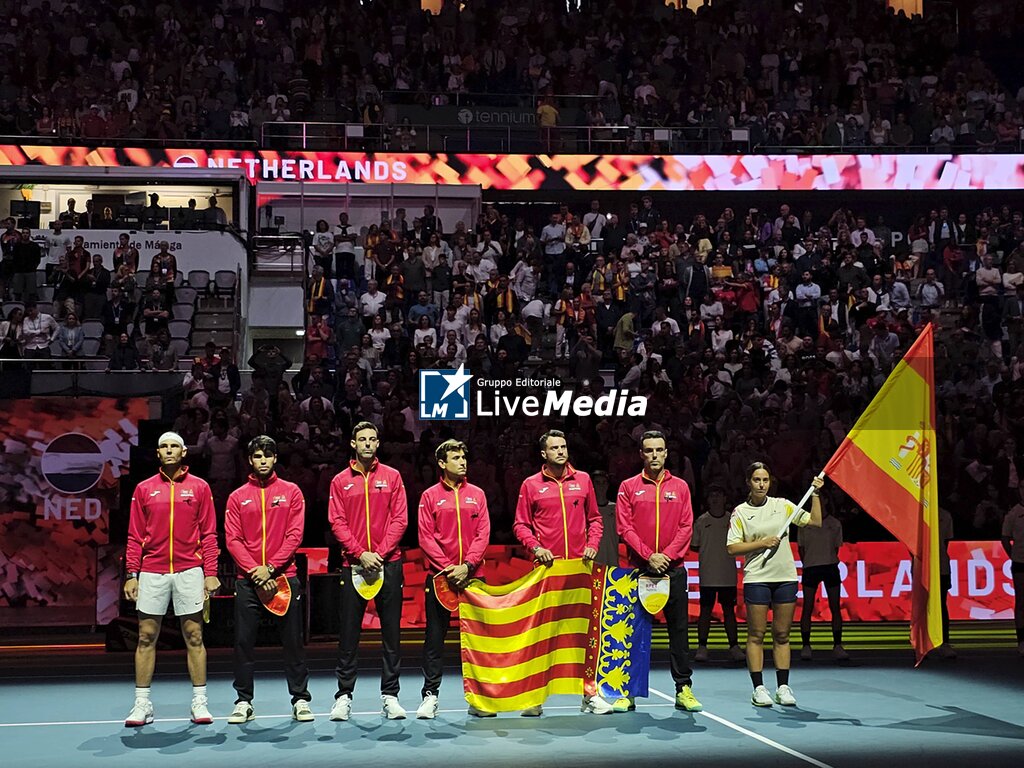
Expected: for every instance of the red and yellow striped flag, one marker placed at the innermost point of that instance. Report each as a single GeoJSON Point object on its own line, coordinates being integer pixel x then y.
{"type": "Point", "coordinates": [525, 641]}
{"type": "Point", "coordinates": [887, 464]}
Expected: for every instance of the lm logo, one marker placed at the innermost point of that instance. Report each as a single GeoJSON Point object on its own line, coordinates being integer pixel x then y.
{"type": "Point", "coordinates": [444, 394]}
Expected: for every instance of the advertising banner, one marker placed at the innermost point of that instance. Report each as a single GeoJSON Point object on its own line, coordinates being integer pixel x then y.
{"type": "Point", "coordinates": [595, 173]}
{"type": "Point", "coordinates": [60, 470]}
{"type": "Point", "coordinates": [876, 583]}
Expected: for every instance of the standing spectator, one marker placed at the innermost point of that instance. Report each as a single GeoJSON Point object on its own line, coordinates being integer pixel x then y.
{"type": "Point", "coordinates": [552, 238]}
{"type": "Point", "coordinates": [58, 244]}
{"type": "Point", "coordinates": [547, 120]}
{"type": "Point", "coordinates": [96, 282]}
{"type": "Point", "coordinates": [124, 357]}
{"type": "Point", "coordinates": [819, 553]}
{"type": "Point", "coordinates": [38, 330]}
{"type": "Point", "coordinates": [717, 572]}
{"type": "Point", "coordinates": [155, 314]}
{"type": "Point", "coordinates": [70, 337]}
{"type": "Point", "coordinates": [10, 336]}
{"type": "Point", "coordinates": [126, 253]}
{"type": "Point", "coordinates": [27, 255]}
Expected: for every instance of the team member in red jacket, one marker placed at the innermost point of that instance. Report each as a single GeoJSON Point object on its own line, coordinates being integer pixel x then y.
{"type": "Point", "coordinates": [655, 520]}
{"type": "Point", "coordinates": [454, 528]}
{"type": "Point", "coordinates": [171, 556]}
{"type": "Point", "coordinates": [368, 513]}
{"type": "Point", "coordinates": [557, 516]}
{"type": "Point", "coordinates": [263, 527]}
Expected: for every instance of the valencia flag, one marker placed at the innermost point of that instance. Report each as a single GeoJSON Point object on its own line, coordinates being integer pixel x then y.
{"type": "Point", "coordinates": [887, 464]}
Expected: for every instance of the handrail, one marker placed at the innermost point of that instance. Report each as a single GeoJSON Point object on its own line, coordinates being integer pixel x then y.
{"type": "Point", "coordinates": [120, 142]}
{"type": "Point", "coordinates": [565, 139]}
{"type": "Point", "coordinates": [236, 319]}
{"type": "Point", "coordinates": [596, 139]}
{"type": "Point", "coordinates": [480, 98]}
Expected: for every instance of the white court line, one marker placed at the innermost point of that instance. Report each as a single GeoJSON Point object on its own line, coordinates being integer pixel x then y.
{"type": "Point", "coordinates": [274, 717]}
{"type": "Point", "coordinates": [746, 732]}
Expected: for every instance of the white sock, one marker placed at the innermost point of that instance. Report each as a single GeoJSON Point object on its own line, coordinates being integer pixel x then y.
{"type": "Point", "coordinates": [142, 693]}
{"type": "Point", "coordinates": [198, 690]}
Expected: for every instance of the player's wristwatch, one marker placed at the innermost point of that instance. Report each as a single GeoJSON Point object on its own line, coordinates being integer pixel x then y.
{"type": "Point", "coordinates": [272, 571]}
{"type": "Point", "coordinates": [536, 549]}
{"type": "Point", "coordinates": [131, 575]}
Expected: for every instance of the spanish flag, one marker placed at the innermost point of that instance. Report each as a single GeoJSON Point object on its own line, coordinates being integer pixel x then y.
{"type": "Point", "coordinates": [570, 628]}
{"type": "Point", "coordinates": [887, 464]}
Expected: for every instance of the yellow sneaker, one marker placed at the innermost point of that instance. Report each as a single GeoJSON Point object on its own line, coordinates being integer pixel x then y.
{"type": "Point", "coordinates": [626, 704]}
{"type": "Point", "coordinates": [686, 700]}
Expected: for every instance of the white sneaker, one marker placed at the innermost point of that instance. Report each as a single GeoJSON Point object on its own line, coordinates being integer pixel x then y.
{"type": "Point", "coordinates": [477, 712]}
{"type": "Point", "coordinates": [761, 697]}
{"type": "Point", "coordinates": [806, 653]}
{"type": "Point", "coordinates": [839, 653]}
{"type": "Point", "coordinates": [428, 709]}
{"type": "Point", "coordinates": [736, 653]}
{"type": "Point", "coordinates": [784, 696]}
{"type": "Point", "coordinates": [701, 654]}
{"type": "Point", "coordinates": [536, 711]}
{"type": "Point", "coordinates": [302, 712]}
{"type": "Point", "coordinates": [141, 714]}
{"type": "Point", "coordinates": [242, 713]}
{"type": "Point", "coordinates": [342, 708]}
{"type": "Point", "coordinates": [595, 705]}
{"type": "Point", "coordinates": [391, 709]}
{"type": "Point", "coordinates": [201, 711]}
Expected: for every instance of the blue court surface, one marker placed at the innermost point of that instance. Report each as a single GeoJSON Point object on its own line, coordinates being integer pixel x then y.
{"type": "Point", "coordinates": [878, 711]}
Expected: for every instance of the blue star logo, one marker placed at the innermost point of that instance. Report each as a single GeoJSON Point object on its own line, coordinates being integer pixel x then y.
{"type": "Point", "coordinates": [444, 394]}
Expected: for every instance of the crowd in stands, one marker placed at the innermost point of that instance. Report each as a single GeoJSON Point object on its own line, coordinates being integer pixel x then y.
{"type": "Point", "coordinates": [820, 72]}
{"type": "Point", "coordinates": [58, 298]}
{"type": "Point", "coordinates": [755, 335]}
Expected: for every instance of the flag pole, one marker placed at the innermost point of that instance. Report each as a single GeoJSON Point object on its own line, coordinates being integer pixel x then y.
{"type": "Point", "coordinates": [768, 553]}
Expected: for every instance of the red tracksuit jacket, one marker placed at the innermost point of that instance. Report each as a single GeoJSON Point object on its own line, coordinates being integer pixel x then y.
{"type": "Point", "coordinates": [368, 512]}
{"type": "Point", "coordinates": [655, 517]}
{"type": "Point", "coordinates": [454, 525]}
{"type": "Point", "coordinates": [263, 525]}
{"type": "Point", "coordinates": [172, 526]}
{"type": "Point", "coordinates": [560, 515]}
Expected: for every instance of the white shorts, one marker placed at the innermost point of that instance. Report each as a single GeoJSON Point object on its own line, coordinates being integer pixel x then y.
{"type": "Point", "coordinates": [156, 590]}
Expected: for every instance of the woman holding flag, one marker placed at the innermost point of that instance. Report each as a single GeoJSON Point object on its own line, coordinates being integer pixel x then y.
{"type": "Point", "coordinates": [759, 530]}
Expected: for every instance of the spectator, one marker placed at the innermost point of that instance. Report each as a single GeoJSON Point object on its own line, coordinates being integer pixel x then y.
{"type": "Point", "coordinates": [70, 337]}
{"type": "Point", "coordinates": [124, 357]}
{"type": "Point", "coordinates": [38, 331]}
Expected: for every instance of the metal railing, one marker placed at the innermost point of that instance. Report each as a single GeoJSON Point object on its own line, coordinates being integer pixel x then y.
{"type": "Point", "coordinates": [38, 377]}
{"type": "Point", "coordinates": [488, 138]}
{"type": "Point", "coordinates": [284, 254]}
{"type": "Point", "coordinates": [353, 137]}
{"type": "Point", "coordinates": [48, 139]}
{"type": "Point", "coordinates": [488, 100]}
{"type": "Point", "coordinates": [565, 139]}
